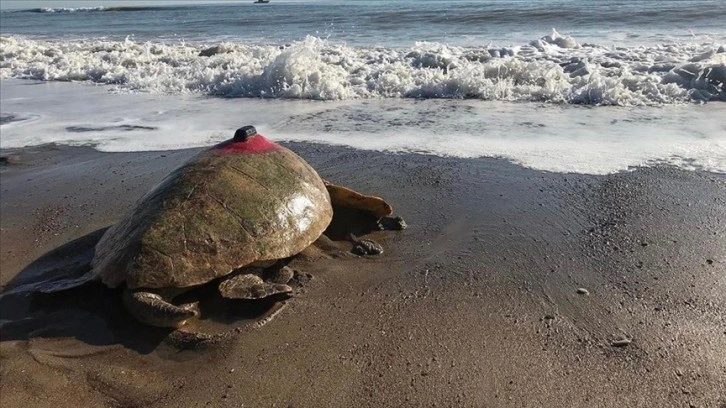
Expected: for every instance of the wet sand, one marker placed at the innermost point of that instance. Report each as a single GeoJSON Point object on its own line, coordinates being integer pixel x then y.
{"type": "Point", "coordinates": [475, 304]}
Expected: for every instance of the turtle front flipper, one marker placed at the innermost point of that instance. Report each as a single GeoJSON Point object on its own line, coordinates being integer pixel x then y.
{"type": "Point", "coordinates": [364, 246]}
{"type": "Point", "coordinates": [250, 286]}
{"type": "Point", "coordinates": [152, 309]}
{"type": "Point", "coordinates": [344, 197]}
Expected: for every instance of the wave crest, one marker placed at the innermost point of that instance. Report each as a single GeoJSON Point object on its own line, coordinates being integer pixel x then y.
{"type": "Point", "coordinates": [89, 9]}
{"type": "Point", "coordinates": [555, 68]}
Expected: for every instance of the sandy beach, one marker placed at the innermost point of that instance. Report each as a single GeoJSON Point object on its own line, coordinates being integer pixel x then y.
{"type": "Point", "coordinates": [475, 304]}
{"type": "Point", "coordinates": [561, 168]}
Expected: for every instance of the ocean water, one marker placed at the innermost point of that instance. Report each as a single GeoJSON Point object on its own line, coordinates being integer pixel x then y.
{"type": "Point", "coordinates": [574, 86]}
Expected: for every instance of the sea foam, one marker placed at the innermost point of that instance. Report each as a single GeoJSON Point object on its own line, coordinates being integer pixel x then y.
{"type": "Point", "coordinates": [555, 68]}
{"type": "Point", "coordinates": [561, 138]}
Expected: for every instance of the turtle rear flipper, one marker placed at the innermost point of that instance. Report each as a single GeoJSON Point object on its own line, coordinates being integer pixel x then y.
{"type": "Point", "coordinates": [152, 309]}
{"type": "Point", "coordinates": [250, 286]}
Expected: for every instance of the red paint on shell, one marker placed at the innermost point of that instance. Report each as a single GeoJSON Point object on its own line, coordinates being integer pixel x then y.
{"type": "Point", "coordinates": [255, 144]}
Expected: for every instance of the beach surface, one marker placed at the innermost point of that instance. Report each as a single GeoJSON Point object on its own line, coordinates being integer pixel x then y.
{"type": "Point", "coordinates": [510, 287]}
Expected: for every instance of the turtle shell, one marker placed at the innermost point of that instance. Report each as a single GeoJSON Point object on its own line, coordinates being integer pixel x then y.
{"type": "Point", "coordinates": [231, 205]}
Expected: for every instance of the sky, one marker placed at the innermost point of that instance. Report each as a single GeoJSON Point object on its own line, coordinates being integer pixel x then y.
{"type": "Point", "coordinates": [31, 4]}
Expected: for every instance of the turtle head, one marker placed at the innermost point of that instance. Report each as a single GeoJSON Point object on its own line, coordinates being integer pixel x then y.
{"type": "Point", "coordinates": [244, 133]}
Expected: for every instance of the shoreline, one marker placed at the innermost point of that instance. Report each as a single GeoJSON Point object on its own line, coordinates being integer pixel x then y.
{"type": "Point", "coordinates": [550, 137]}
{"type": "Point", "coordinates": [475, 304]}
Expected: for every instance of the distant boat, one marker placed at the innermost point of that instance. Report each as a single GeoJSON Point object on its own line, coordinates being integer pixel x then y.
{"type": "Point", "coordinates": [261, 1]}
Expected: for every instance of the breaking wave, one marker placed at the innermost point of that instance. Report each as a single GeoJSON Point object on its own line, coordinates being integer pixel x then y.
{"type": "Point", "coordinates": [65, 9]}
{"type": "Point", "coordinates": [89, 9]}
{"type": "Point", "coordinates": [555, 68]}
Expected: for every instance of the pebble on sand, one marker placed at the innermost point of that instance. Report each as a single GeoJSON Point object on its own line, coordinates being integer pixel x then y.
{"type": "Point", "coordinates": [621, 342]}
{"type": "Point", "coordinates": [583, 291]}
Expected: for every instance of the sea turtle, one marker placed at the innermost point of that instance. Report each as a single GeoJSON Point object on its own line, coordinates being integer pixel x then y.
{"type": "Point", "coordinates": [224, 216]}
